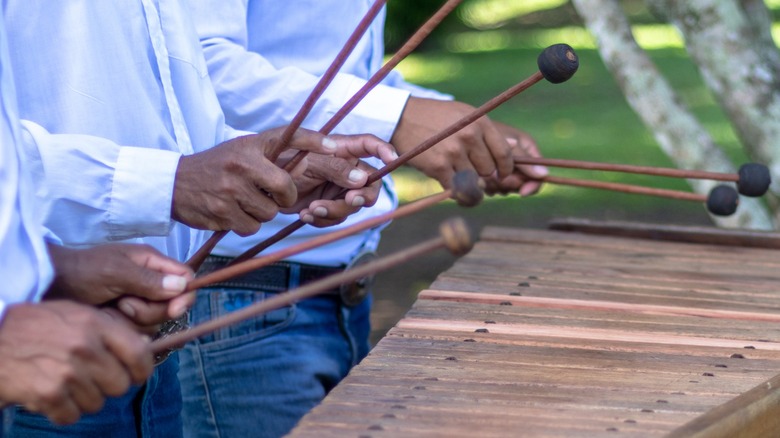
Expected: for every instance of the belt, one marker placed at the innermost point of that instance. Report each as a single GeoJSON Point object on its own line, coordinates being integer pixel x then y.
{"type": "Point", "coordinates": [277, 277]}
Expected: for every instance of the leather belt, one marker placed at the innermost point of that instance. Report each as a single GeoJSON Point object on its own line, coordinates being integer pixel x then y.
{"type": "Point", "coordinates": [272, 278]}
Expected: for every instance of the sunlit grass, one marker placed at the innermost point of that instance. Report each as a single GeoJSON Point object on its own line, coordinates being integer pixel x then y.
{"type": "Point", "coordinates": [483, 14]}
{"type": "Point", "coordinates": [649, 37]}
{"type": "Point", "coordinates": [424, 70]}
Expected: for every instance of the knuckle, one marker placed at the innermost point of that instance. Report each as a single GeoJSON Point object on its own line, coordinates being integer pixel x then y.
{"type": "Point", "coordinates": [219, 208]}
{"type": "Point", "coordinates": [52, 395]}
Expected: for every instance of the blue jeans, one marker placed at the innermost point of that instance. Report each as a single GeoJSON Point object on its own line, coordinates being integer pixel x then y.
{"type": "Point", "coordinates": [152, 410]}
{"type": "Point", "coordinates": [258, 378]}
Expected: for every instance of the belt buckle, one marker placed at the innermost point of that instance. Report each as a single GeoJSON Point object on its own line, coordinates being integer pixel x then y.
{"type": "Point", "coordinates": [355, 292]}
{"type": "Point", "coordinates": [166, 329]}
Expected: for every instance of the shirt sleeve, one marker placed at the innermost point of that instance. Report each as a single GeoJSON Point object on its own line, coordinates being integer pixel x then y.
{"type": "Point", "coordinates": [257, 96]}
{"type": "Point", "coordinates": [396, 80]}
{"type": "Point", "coordinates": [96, 191]}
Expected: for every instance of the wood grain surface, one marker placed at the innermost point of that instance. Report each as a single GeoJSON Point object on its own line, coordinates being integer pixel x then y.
{"type": "Point", "coordinates": [543, 333]}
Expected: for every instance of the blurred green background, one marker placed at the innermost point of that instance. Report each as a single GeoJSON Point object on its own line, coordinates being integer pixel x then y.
{"type": "Point", "coordinates": [485, 47]}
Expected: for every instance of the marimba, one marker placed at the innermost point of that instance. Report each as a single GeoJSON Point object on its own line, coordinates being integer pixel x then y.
{"type": "Point", "coordinates": [551, 333]}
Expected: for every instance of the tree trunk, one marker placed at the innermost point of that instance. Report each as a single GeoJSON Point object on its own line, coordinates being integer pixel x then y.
{"type": "Point", "coordinates": [675, 129]}
{"type": "Point", "coordinates": [731, 43]}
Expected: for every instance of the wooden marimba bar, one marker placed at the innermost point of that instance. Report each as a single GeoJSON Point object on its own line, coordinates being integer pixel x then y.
{"type": "Point", "coordinates": [546, 333]}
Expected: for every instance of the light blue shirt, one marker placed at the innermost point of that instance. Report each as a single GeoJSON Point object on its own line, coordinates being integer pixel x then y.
{"type": "Point", "coordinates": [124, 85]}
{"type": "Point", "coordinates": [266, 56]}
{"type": "Point", "coordinates": [24, 264]}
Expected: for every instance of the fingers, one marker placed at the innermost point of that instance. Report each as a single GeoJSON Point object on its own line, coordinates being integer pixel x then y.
{"type": "Point", "coordinates": [363, 146]}
{"type": "Point", "coordinates": [150, 274]}
{"type": "Point", "coordinates": [525, 146]}
{"type": "Point", "coordinates": [153, 259]}
{"type": "Point", "coordinates": [327, 213]}
{"type": "Point", "coordinates": [179, 305]}
{"type": "Point", "coordinates": [129, 348]}
{"type": "Point", "coordinates": [497, 149]}
{"type": "Point", "coordinates": [145, 314]}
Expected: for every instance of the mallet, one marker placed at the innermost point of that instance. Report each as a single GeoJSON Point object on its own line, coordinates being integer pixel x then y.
{"type": "Point", "coordinates": [721, 201]}
{"type": "Point", "coordinates": [556, 63]}
{"type": "Point", "coordinates": [466, 190]}
{"type": "Point", "coordinates": [752, 179]}
{"type": "Point", "coordinates": [197, 259]}
{"type": "Point", "coordinates": [454, 235]}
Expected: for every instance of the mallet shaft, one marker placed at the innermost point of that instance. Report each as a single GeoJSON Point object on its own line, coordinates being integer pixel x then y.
{"type": "Point", "coordinates": [377, 77]}
{"type": "Point", "coordinates": [295, 295]}
{"type": "Point", "coordinates": [241, 266]}
{"type": "Point", "coordinates": [626, 188]}
{"type": "Point", "coordinates": [628, 168]}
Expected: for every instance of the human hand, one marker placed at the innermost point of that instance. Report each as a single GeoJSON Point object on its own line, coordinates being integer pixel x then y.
{"type": "Point", "coordinates": [141, 282]}
{"type": "Point", "coordinates": [233, 186]}
{"type": "Point", "coordinates": [327, 176]}
{"type": "Point", "coordinates": [62, 359]}
{"type": "Point", "coordinates": [479, 146]}
{"type": "Point", "coordinates": [525, 179]}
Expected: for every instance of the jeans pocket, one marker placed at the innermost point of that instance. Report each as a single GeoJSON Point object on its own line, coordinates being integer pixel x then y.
{"type": "Point", "coordinates": [213, 303]}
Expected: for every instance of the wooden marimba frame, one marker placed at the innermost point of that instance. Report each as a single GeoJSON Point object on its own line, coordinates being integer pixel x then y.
{"type": "Point", "coordinates": [579, 333]}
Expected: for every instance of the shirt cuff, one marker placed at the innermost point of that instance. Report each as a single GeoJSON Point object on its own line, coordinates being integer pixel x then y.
{"type": "Point", "coordinates": [142, 193]}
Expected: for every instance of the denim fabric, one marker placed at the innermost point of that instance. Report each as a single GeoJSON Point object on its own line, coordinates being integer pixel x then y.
{"type": "Point", "coordinates": [149, 411]}
{"type": "Point", "coordinates": [6, 418]}
{"type": "Point", "coordinates": [258, 378]}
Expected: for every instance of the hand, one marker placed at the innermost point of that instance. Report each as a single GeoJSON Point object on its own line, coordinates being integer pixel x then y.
{"type": "Point", "coordinates": [104, 274]}
{"type": "Point", "coordinates": [326, 176]}
{"type": "Point", "coordinates": [524, 180]}
{"type": "Point", "coordinates": [232, 186]}
{"type": "Point", "coordinates": [63, 359]}
{"type": "Point", "coordinates": [479, 146]}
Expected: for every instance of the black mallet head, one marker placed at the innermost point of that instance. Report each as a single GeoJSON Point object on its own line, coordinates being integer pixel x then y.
{"type": "Point", "coordinates": [558, 63]}
{"type": "Point", "coordinates": [467, 188]}
{"type": "Point", "coordinates": [754, 179]}
{"type": "Point", "coordinates": [722, 200]}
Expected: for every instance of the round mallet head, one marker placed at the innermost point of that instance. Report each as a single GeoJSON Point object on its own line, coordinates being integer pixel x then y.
{"type": "Point", "coordinates": [722, 200]}
{"type": "Point", "coordinates": [457, 236]}
{"type": "Point", "coordinates": [754, 179]}
{"type": "Point", "coordinates": [558, 63]}
{"type": "Point", "coordinates": [467, 188]}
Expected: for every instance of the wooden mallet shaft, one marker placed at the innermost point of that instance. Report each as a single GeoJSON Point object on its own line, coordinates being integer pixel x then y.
{"type": "Point", "coordinates": [200, 255]}
{"type": "Point", "coordinates": [752, 179]}
{"type": "Point", "coordinates": [326, 78]}
{"type": "Point", "coordinates": [625, 188]}
{"type": "Point", "coordinates": [721, 201]}
{"type": "Point", "coordinates": [557, 64]}
{"type": "Point", "coordinates": [467, 190]}
{"type": "Point", "coordinates": [238, 267]}
{"type": "Point", "coordinates": [628, 168]}
{"type": "Point", "coordinates": [454, 236]}
{"type": "Point", "coordinates": [377, 77]}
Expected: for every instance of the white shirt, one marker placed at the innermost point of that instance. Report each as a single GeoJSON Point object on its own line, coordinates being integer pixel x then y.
{"type": "Point", "coordinates": [24, 264]}
{"type": "Point", "coordinates": [125, 85]}
{"type": "Point", "coordinates": [298, 39]}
